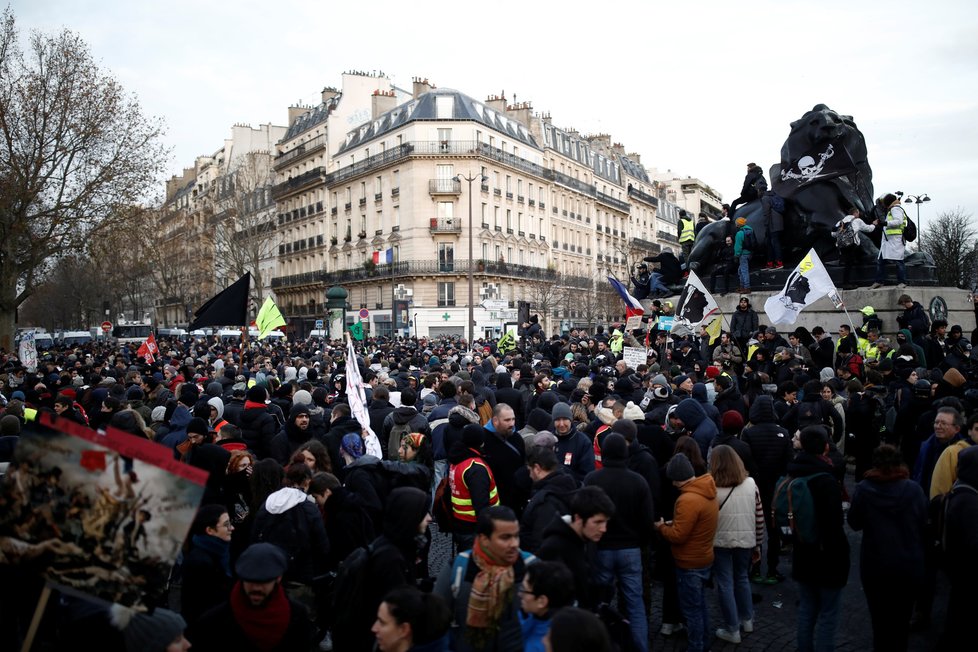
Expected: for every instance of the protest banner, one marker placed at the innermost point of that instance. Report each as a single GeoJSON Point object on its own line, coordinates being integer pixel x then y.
{"type": "Point", "coordinates": [634, 356]}
{"type": "Point", "coordinates": [103, 515]}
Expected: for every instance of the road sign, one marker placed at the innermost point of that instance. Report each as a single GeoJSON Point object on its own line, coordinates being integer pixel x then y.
{"type": "Point", "coordinates": [319, 324]}
{"type": "Point", "coordinates": [106, 326]}
{"type": "Point", "coordinates": [495, 304]}
{"type": "Point", "coordinates": [364, 313]}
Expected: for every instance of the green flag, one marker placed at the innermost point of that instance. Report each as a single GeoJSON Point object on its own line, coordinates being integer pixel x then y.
{"type": "Point", "coordinates": [357, 331]}
{"type": "Point", "coordinates": [269, 318]}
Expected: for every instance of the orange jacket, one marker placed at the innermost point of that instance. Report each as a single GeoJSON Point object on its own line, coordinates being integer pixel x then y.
{"type": "Point", "coordinates": [694, 524]}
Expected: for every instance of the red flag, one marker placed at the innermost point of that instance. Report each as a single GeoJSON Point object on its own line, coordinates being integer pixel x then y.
{"type": "Point", "coordinates": [148, 349]}
{"type": "Point", "coordinates": [93, 460]}
{"type": "Point", "coordinates": [376, 257]}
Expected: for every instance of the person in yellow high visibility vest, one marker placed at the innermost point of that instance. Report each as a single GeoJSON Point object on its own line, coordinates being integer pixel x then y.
{"type": "Point", "coordinates": [686, 231]}
{"type": "Point", "coordinates": [892, 247]}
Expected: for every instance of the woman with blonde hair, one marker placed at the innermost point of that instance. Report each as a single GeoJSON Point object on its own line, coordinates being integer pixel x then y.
{"type": "Point", "coordinates": [738, 539]}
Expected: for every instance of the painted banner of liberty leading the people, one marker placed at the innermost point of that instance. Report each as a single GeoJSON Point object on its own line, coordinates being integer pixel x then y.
{"type": "Point", "coordinates": [103, 515]}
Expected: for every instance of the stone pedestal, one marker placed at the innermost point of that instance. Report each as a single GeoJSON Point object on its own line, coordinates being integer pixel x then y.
{"type": "Point", "coordinates": [939, 302]}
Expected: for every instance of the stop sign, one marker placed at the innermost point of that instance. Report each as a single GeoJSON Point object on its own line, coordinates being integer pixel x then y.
{"type": "Point", "coordinates": [106, 326]}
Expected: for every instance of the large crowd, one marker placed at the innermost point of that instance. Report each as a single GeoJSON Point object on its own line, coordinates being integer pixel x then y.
{"type": "Point", "coordinates": [568, 479]}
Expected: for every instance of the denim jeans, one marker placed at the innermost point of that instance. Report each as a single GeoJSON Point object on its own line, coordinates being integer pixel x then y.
{"type": "Point", "coordinates": [625, 566]}
{"type": "Point", "coordinates": [730, 567]}
{"type": "Point", "coordinates": [881, 270]}
{"type": "Point", "coordinates": [656, 284]}
{"type": "Point", "coordinates": [818, 617]}
{"type": "Point", "coordinates": [743, 271]}
{"type": "Point", "coordinates": [692, 601]}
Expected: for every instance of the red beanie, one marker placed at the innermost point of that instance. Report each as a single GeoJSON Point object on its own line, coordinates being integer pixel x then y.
{"type": "Point", "coordinates": [712, 372]}
{"type": "Point", "coordinates": [732, 421]}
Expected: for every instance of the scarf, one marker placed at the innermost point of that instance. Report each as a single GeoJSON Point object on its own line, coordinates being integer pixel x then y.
{"type": "Point", "coordinates": [888, 475]}
{"type": "Point", "coordinates": [216, 548]}
{"type": "Point", "coordinates": [254, 404]}
{"type": "Point", "coordinates": [492, 591]}
{"type": "Point", "coordinates": [265, 626]}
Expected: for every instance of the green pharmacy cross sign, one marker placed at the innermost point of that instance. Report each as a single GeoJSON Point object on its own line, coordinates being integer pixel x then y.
{"type": "Point", "coordinates": [446, 316]}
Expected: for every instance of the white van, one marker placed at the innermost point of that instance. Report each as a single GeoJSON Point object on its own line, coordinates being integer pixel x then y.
{"type": "Point", "coordinates": [76, 338]}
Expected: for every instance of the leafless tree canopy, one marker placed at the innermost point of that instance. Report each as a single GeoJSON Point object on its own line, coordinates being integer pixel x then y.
{"type": "Point", "coordinates": [952, 241]}
{"type": "Point", "coordinates": [74, 146]}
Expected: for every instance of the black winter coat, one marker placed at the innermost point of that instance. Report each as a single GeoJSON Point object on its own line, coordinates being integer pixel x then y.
{"type": "Point", "coordinates": [631, 526]}
{"type": "Point", "coordinates": [550, 499]}
{"type": "Point", "coordinates": [770, 445]}
{"type": "Point", "coordinates": [561, 543]}
{"type": "Point", "coordinates": [258, 427]}
{"type": "Point", "coordinates": [825, 563]}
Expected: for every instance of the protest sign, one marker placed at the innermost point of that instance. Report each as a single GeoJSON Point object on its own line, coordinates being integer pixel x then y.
{"type": "Point", "coordinates": [634, 356]}
{"type": "Point", "coordinates": [105, 515]}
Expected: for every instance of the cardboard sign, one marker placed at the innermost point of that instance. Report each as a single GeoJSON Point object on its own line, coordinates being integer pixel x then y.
{"type": "Point", "coordinates": [634, 356]}
{"type": "Point", "coordinates": [633, 323]}
{"type": "Point", "coordinates": [105, 514]}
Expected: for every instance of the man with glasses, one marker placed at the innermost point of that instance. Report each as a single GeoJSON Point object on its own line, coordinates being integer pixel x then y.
{"type": "Point", "coordinates": [546, 588]}
{"type": "Point", "coordinates": [948, 424]}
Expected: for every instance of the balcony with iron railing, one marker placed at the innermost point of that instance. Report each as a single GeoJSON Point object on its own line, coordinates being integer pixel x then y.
{"type": "Point", "coordinates": [444, 187]}
{"type": "Point", "coordinates": [307, 148]}
{"type": "Point", "coordinates": [445, 225]}
{"type": "Point", "coordinates": [643, 197]}
{"type": "Point", "coordinates": [416, 268]}
{"type": "Point", "coordinates": [296, 184]}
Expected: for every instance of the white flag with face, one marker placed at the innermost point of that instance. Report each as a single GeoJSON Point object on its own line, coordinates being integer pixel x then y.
{"type": "Point", "coordinates": [806, 284]}
{"type": "Point", "coordinates": [696, 305]}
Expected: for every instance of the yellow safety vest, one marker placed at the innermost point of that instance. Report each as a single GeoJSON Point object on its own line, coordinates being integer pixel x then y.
{"type": "Point", "coordinates": [896, 230]}
{"type": "Point", "coordinates": [689, 231]}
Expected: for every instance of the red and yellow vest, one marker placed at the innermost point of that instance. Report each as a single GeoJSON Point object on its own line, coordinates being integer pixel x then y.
{"type": "Point", "coordinates": [462, 508]}
{"type": "Point", "coordinates": [603, 428]}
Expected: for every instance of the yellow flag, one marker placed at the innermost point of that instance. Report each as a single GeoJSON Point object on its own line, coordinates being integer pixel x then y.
{"type": "Point", "coordinates": [269, 318]}
{"type": "Point", "coordinates": [713, 330]}
{"type": "Point", "coordinates": [750, 350]}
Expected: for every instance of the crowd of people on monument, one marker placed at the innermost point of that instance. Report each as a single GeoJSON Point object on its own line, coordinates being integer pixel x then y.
{"type": "Point", "coordinates": [568, 479]}
{"type": "Point", "coordinates": [888, 228]}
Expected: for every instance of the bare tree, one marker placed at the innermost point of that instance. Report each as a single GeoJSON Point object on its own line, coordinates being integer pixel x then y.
{"type": "Point", "coordinates": [952, 241]}
{"type": "Point", "coordinates": [245, 228]}
{"type": "Point", "coordinates": [73, 144]}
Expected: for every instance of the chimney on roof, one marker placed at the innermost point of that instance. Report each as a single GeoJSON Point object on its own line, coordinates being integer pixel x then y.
{"type": "Point", "coordinates": [381, 102]}
{"type": "Point", "coordinates": [329, 93]}
{"type": "Point", "coordinates": [635, 156]}
{"type": "Point", "coordinates": [600, 141]}
{"type": "Point", "coordinates": [295, 112]}
{"type": "Point", "coordinates": [520, 112]}
{"type": "Point", "coordinates": [497, 103]}
{"type": "Point", "coordinates": [421, 86]}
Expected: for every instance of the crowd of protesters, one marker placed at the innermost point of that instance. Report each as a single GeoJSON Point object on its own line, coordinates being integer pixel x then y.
{"type": "Point", "coordinates": [568, 480]}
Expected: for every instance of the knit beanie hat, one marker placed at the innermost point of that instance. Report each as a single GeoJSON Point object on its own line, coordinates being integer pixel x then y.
{"type": "Point", "coordinates": [257, 394]}
{"type": "Point", "coordinates": [158, 413]}
{"type": "Point", "coordinates": [561, 411]}
{"type": "Point", "coordinates": [147, 631]}
{"type": "Point", "coordinates": [633, 412]}
{"type": "Point", "coordinates": [732, 422]}
{"type": "Point", "coordinates": [302, 397]}
{"type": "Point", "coordinates": [353, 445]}
{"type": "Point", "coordinates": [614, 448]}
{"type": "Point", "coordinates": [473, 435]}
{"type": "Point", "coordinates": [625, 428]}
{"type": "Point", "coordinates": [679, 469]}
{"type": "Point", "coordinates": [197, 426]}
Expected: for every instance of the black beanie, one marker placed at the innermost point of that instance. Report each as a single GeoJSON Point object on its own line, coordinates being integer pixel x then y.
{"type": "Point", "coordinates": [614, 448]}
{"type": "Point", "coordinates": [257, 394]}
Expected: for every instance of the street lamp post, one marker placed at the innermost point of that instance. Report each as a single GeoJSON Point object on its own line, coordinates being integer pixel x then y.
{"type": "Point", "coordinates": [470, 179]}
{"type": "Point", "coordinates": [918, 199]}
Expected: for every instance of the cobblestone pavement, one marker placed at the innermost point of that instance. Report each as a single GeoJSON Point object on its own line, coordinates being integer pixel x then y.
{"type": "Point", "coordinates": [774, 627]}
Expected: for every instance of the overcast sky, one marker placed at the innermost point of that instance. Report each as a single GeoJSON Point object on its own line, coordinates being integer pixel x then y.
{"type": "Point", "coordinates": [699, 88]}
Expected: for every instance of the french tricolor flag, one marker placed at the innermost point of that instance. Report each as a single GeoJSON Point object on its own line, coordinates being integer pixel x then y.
{"type": "Point", "coordinates": [384, 257]}
{"type": "Point", "coordinates": [632, 305]}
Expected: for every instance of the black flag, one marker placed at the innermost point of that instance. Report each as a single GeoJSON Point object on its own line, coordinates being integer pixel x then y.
{"type": "Point", "coordinates": [228, 308]}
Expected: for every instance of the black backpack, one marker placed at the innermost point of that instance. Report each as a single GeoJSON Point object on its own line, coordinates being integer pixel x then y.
{"type": "Point", "coordinates": [847, 237]}
{"type": "Point", "coordinates": [910, 231]}
{"type": "Point", "coordinates": [348, 586]}
{"type": "Point", "coordinates": [937, 519]}
{"type": "Point", "coordinates": [777, 202]}
{"type": "Point", "coordinates": [750, 239]}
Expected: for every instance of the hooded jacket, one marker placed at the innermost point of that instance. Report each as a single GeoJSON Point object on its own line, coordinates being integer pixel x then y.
{"type": "Point", "coordinates": [770, 444]}
{"type": "Point", "coordinates": [694, 523]}
{"type": "Point", "coordinates": [290, 519]}
{"type": "Point", "coordinates": [561, 543]}
{"type": "Point", "coordinates": [258, 427]}
{"type": "Point", "coordinates": [824, 563]}
{"type": "Point", "coordinates": [701, 395]}
{"type": "Point", "coordinates": [892, 513]}
{"type": "Point", "coordinates": [702, 429]}
{"type": "Point", "coordinates": [177, 433]}
{"type": "Point", "coordinates": [550, 499]}
{"type": "Point", "coordinates": [631, 526]}
{"type": "Point", "coordinates": [291, 437]}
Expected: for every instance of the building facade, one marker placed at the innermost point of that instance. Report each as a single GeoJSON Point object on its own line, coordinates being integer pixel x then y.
{"type": "Point", "coordinates": [218, 221]}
